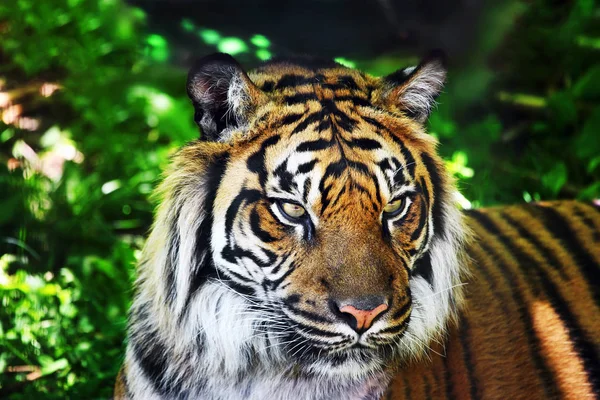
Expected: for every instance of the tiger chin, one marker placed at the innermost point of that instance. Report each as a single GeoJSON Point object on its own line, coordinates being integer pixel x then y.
{"type": "Point", "coordinates": [307, 246]}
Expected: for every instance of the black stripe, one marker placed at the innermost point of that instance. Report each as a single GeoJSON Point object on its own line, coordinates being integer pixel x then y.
{"type": "Point", "coordinates": [247, 196]}
{"type": "Point", "coordinates": [256, 162]}
{"type": "Point", "coordinates": [448, 378]}
{"type": "Point", "coordinates": [543, 249]}
{"type": "Point", "coordinates": [426, 388]}
{"type": "Point", "coordinates": [238, 287]}
{"type": "Point", "coordinates": [267, 86]}
{"type": "Point", "coordinates": [286, 178]}
{"type": "Point", "coordinates": [300, 98]}
{"type": "Point", "coordinates": [363, 143]}
{"type": "Point", "coordinates": [324, 125]}
{"type": "Point", "coordinates": [306, 189]}
{"type": "Point", "coordinates": [424, 268]}
{"type": "Point", "coordinates": [385, 165]}
{"type": "Point", "coordinates": [587, 221]}
{"type": "Point", "coordinates": [373, 122]}
{"type": "Point", "coordinates": [291, 118]}
{"type": "Point", "coordinates": [172, 258]}
{"type": "Point", "coordinates": [348, 82]}
{"type": "Point", "coordinates": [410, 161]}
{"type": "Point", "coordinates": [396, 329]}
{"type": "Point", "coordinates": [237, 281]}
{"type": "Point", "coordinates": [314, 145]}
{"type": "Point", "coordinates": [333, 171]}
{"type": "Point", "coordinates": [308, 315]}
{"type": "Point", "coordinates": [257, 229]}
{"type": "Point", "coordinates": [339, 194]}
{"type": "Point", "coordinates": [562, 231]}
{"type": "Point", "coordinates": [275, 284]}
{"type": "Point", "coordinates": [152, 355]}
{"type": "Point", "coordinates": [355, 100]}
{"type": "Point", "coordinates": [439, 195]}
{"type": "Point", "coordinates": [310, 119]}
{"type": "Point", "coordinates": [307, 167]}
{"type": "Point", "coordinates": [344, 121]}
{"type": "Point", "coordinates": [235, 253]}
{"type": "Point", "coordinates": [293, 80]}
{"type": "Point", "coordinates": [403, 310]}
{"type": "Point", "coordinates": [422, 223]}
{"type": "Point", "coordinates": [359, 166]}
{"type": "Point", "coordinates": [465, 340]}
{"type": "Point", "coordinates": [205, 267]}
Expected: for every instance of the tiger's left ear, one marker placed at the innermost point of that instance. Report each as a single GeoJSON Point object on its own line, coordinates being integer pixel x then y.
{"type": "Point", "coordinates": [413, 90]}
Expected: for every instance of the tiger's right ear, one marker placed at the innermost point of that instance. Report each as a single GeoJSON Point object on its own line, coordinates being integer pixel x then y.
{"type": "Point", "coordinates": [412, 91]}
{"type": "Point", "coordinates": [223, 95]}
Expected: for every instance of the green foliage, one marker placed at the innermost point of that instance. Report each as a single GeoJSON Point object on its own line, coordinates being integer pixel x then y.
{"type": "Point", "coordinates": [74, 211]}
{"type": "Point", "coordinates": [519, 121]}
{"type": "Point", "coordinates": [525, 110]}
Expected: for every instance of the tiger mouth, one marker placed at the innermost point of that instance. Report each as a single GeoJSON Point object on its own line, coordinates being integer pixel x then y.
{"type": "Point", "coordinates": [348, 348]}
{"type": "Point", "coordinates": [355, 357]}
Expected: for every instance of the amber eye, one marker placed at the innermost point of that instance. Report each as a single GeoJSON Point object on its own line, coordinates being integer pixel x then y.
{"type": "Point", "coordinates": [291, 210]}
{"type": "Point", "coordinates": [394, 207]}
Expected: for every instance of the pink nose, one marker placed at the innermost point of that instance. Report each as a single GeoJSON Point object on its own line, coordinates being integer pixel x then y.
{"type": "Point", "coordinates": [363, 318]}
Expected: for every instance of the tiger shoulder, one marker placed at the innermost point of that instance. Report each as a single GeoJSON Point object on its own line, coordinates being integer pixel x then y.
{"type": "Point", "coordinates": [309, 246]}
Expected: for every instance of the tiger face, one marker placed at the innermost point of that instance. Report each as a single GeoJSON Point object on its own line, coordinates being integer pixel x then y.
{"type": "Point", "coordinates": [311, 228]}
{"type": "Point", "coordinates": [324, 226]}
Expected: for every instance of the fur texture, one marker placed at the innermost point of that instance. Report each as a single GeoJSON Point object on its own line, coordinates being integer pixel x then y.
{"type": "Point", "coordinates": [237, 300]}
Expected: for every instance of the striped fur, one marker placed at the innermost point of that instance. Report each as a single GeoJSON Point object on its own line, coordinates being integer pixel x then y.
{"type": "Point", "coordinates": [530, 330]}
{"type": "Point", "coordinates": [236, 300]}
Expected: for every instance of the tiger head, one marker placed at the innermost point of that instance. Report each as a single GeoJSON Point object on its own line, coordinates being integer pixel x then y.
{"type": "Point", "coordinates": [312, 227]}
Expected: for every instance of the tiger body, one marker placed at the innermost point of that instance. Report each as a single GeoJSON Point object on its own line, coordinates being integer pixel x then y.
{"type": "Point", "coordinates": [309, 247]}
{"type": "Point", "coordinates": [530, 327]}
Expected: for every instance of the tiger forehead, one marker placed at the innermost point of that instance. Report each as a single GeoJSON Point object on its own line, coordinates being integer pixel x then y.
{"type": "Point", "coordinates": [332, 80]}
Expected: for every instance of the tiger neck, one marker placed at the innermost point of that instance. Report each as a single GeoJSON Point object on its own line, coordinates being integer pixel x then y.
{"type": "Point", "coordinates": [274, 385]}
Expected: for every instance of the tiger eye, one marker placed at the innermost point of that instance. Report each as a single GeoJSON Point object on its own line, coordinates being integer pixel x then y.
{"type": "Point", "coordinates": [293, 210]}
{"type": "Point", "coordinates": [393, 206]}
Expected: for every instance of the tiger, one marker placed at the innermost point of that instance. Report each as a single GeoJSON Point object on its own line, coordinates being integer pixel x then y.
{"type": "Point", "coordinates": [309, 245]}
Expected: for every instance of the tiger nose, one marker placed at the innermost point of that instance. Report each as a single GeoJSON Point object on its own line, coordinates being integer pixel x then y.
{"type": "Point", "coordinates": [361, 313]}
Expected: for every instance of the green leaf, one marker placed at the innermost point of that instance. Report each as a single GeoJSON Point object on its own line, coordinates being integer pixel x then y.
{"type": "Point", "coordinates": [556, 178]}
{"type": "Point", "coordinates": [587, 143]}
{"type": "Point", "coordinates": [562, 109]}
{"type": "Point", "coordinates": [592, 192]}
{"type": "Point", "coordinates": [54, 366]}
{"type": "Point", "coordinates": [232, 45]}
{"type": "Point", "coordinates": [588, 86]}
{"type": "Point", "coordinates": [260, 41]}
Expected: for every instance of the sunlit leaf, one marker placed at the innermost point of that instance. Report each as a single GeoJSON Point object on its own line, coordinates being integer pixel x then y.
{"type": "Point", "coordinates": [263, 54]}
{"type": "Point", "coordinates": [209, 36]}
{"type": "Point", "coordinates": [345, 62]}
{"type": "Point", "coordinates": [232, 45]}
{"type": "Point", "coordinates": [260, 41]}
{"type": "Point", "coordinates": [187, 25]}
{"type": "Point", "coordinates": [158, 48]}
{"type": "Point", "coordinates": [54, 366]}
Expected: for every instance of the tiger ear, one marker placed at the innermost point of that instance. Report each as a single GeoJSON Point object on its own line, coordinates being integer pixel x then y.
{"type": "Point", "coordinates": [413, 90]}
{"type": "Point", "coordinates": [223, 95]}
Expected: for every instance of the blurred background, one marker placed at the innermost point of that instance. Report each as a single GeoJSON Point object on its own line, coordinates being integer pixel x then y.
{"type": "Point", "coordinates": [92, 103]}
